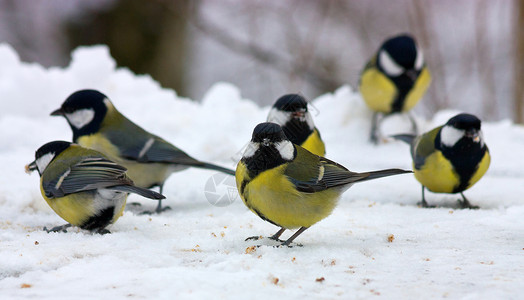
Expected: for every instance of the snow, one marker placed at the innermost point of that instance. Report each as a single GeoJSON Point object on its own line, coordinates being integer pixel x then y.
{"type": "Point", "coordinates": [376, 244]}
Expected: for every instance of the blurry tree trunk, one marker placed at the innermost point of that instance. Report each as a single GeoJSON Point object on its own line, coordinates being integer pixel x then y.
{"type": "Point", "coordinates": [141, 35]}
{"type": "Point", "coordinates": [519, 76]}
{"type": "Point", "coordinates": [484, 61]}
{"type": "Point", "coordinates": [425, 34]}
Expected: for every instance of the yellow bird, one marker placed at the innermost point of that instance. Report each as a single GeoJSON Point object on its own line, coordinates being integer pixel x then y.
{"type": "Point", "coordinates": [450, 158]}
{"type": "Point", "coordinates": [82, 186]}
{"type": "Point", "coordinates": [290, 187]}
{"type": "Point", "coordinates": [291, 113]}
{"type": "Point", "coordinates": [149, 159]}
{"type": "Point", "coordinates": [394, 80]}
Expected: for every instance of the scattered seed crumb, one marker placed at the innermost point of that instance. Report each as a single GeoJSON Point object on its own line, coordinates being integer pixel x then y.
{"type": "Point", "coordinates": [25, 286]}
{"type": "Point", "coordinates": [293, 259]}
{"type": "Point", "coordinates": [451, 212]}
{"type": "Point", "coordinates": [427, 259]}
{"type": "Point", "coordinates": [225, 227]}
{"type": "Point", "coordinates": [321, 279]}
{"type": "Point", "coordinates": [251, 249]}
{"type": "Point", "coordinates": [150, 219]}
{"type": "Point", "coordinates": [213, 234]}
{"type": "Point", "coordinates": [391, 238]}
{"type": "Point", "coordinates": [274, 280]}
{"type": "Point", "coordinates": [222, 234]}
{"type": "Point", "coordinates": [333, 262]}
{"type": "Point", "coordinates": [375, 292]}
{"type": "Point", "coordinates": [487, 262]}
{"type": "Point", "coordinates": [37, 243]}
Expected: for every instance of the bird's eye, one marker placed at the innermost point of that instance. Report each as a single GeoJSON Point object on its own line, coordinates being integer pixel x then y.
{"type": "Point", "coordinates": [389, 65]}
{"type": "Point", "coordinates": [419, 61]}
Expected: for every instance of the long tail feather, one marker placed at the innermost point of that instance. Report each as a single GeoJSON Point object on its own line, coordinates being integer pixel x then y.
{"type": "Point", "coordinates": [407, 138]}
{"type": "Point", "coordinates": [140, 191]}
{"type": "Point", "coordinates": [381, 173]}
{"type": "Point", "coordinates": [216, 168]}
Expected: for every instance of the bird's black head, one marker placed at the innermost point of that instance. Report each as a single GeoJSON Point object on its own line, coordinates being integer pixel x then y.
{"type": "Point", "coordinates": [400, 55]}
{"type": "Point", "coordinates": [291, 103]}
{"type": "Point", "coordinates": [269, 147]}
{"type": "Point", "coordinates": [461, 131]}
{"type": "Point", "coordinates": [84, 110]}
{"type": "Point", "coordinates": [465, 122]}
{"type": "Point", "coordinates": [45, 154]}
{"type": "Point", "coordinates": [290, 111]}
{"type": "Point", "coordinates": [268, 133]}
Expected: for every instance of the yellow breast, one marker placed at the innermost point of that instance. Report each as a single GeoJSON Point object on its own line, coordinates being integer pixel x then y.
{"type": "Point", "coordinates": [273, 197]}
{"type": "Point", "coordinates": [77, 208]}
{"type": "Point", "coordinates": [437, 174]}
{"type": "Point", "coordinates": [418, 90]}
{"type": "Point", "coordinates": [314, 144]}
{"type": "Point", "coordinates": [377, 90]}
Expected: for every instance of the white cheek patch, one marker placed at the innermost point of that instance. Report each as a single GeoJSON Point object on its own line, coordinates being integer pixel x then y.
{"type": "Point", "coordinates": [251, 149]}
{"type": "Point", "coordinates": [389, 65]}
{"type": "Point", "coordinates": [279, 117]}
{"type": "Point", "coordinates": [309, 120]}
{"type": "Point", "coordinates": [286, 150]}
{"type": "Point", "coordinates": [449, 135]}
{"type": "Point", "coordinates": [419, 61]}
{"type": "Point", "coordinates": [81, 117]}
{"type": "Point", "coordinates": [44, 161]}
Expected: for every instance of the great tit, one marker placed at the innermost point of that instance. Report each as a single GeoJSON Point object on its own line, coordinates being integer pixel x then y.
{"type": "Point", "coordinates": [149, 159]}
{"type": "Point", "coordinates": [82, 186]}
{"type": "Point", "coordinates": [291, 113]}
{"type": "Point", "coordinates": [289, 186]}
{"type": "Point", "coordinates": [394, 80]}
{"type": "Point", "coordinates": [450, 158]}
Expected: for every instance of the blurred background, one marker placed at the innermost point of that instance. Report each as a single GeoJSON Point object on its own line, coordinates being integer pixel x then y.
{"type": "Point", "coordinates": [474, 48]}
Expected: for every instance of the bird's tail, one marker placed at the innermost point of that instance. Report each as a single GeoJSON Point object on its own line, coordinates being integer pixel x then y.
{"type": "Point", "coordinates": [140, 191]}
{"type": "Point", "coordinates": [408, 138]}
{"type": "Point", "coordinates": [210, 166]}
{"type": "Point", "coordinates": [382, 173]}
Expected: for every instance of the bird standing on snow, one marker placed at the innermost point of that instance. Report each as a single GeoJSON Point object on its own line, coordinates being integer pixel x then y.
{"type": "Point", "coordinates": [450, 158]}
{"type": "Point", "coordinates": [394, 80]}
{"type": "Point", "coordinates": [291, 113]}
{"type": "Point", "coordinates": [82, 186]}
{"type": "Point", "coordinates": [149, 159]}
{"type": "Point", "coordinates": [289, 186]}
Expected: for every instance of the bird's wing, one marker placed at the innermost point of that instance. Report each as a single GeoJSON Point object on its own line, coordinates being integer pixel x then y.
{"type": "Point", "coordinates": [88, 174]}
{"type": "Point", "coordinates": [423, 146]}
{"type": "Point", "coordinates": [311, 173]}
{"type": "Point", "coordinates": [145, 147]}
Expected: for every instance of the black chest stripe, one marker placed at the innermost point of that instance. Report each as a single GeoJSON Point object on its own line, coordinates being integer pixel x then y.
{"type": "Point", "coordinates": [101, 220]}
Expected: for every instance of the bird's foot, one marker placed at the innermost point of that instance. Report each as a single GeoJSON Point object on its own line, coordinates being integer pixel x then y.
{"type": "Point", "coordinates": [156, 211]}
{"type": "Point", "coordinates": [254, 238]}
{"type": "Point", "coordinates": [102, 231]}
{"type": "Point", "coordinates": [289, 245]}
{"type": "Point", "coordinates": [465, 204]}
{"type": "Point", "coordinates": [61, 228]}
{"type": "Point", "coordinates": [424, 204]}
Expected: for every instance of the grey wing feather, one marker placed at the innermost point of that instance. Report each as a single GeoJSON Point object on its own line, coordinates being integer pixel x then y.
{"type": "Point", "coordinates": [89, 174]}
{"type": "Point", "coordinates": [334, 175]}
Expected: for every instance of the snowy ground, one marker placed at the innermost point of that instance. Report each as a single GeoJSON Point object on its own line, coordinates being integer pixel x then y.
{"type": "Point", "coordinates": [376, 244]}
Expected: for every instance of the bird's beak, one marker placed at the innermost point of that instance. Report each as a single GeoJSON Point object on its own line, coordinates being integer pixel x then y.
{"type": "Point", "coordinates": [474, 135]}
{"type": "Point", "coordinates": [30, 167]}
{"type": "Point", "coordinates": [57, 112]}
{"type": "Point", "coordinates": [412, 74]}
{"type": "Point", "coordinates": [298, 114]}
